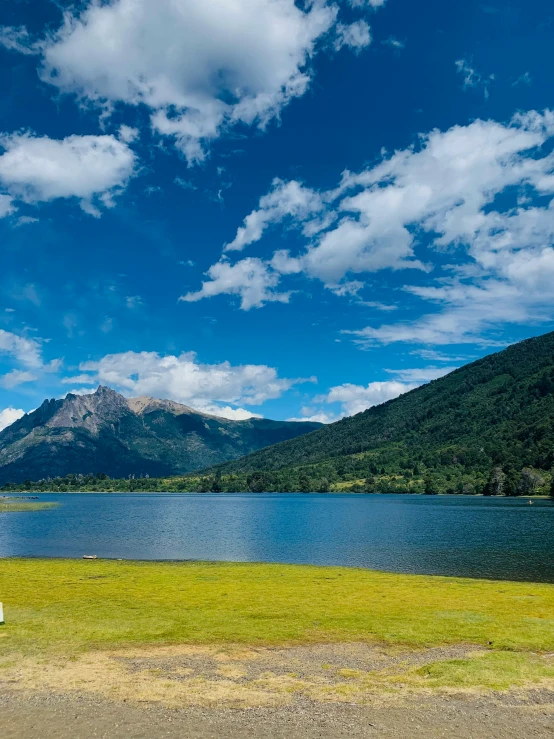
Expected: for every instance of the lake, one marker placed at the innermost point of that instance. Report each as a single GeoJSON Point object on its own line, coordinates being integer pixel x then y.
{"type": "Point", "coordinates": [456, 535]}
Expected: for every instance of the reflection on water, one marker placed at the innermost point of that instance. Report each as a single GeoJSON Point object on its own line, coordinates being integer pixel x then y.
{"type": "Point", "coordinates": [475, 537]}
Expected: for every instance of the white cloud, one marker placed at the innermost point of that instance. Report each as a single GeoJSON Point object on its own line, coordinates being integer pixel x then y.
{"type": "Point", "coordinates": [93, 169]}
{"type": "Point", "coordinates": [26, 220]}
{"type": "Point", "coordinates": [354, 399]}
{"type": "Point", "coordinates": [441, 195]}
{"type": "Point", "coordinates": [233, 414]}
{"type": "Point", "coordinates": [79, 380]}
{"type": "Point", "coordinates": [185, 184]}
{"type": "Point", "coordinates": [26, 351]}
{"type": "Point", "coordinates": [17, 377]}
{"type": "Point", "coordinates": [357, 398]}
{"type": "Point", "coordinates": [386, 307]}
{"type": "Point", "coordinates": [523, 79]}
{"type": "Point", "coordinates": [394, 43]}
{"type": "Point", "coordinates": [128, 134]}
{"type": "Point", "coordinates": [318, 417]}
{"type": "Point", "coordinates": [421, 374]}
{"type": "Point", "coordinates": [434, 356]}
{"type": "Point", "coordinates": [6, 206]}
{"type": "Point", "coordinates": [355, 35]}
{"type": "Point", "coordinates": [250, 279]}
{"type": "Point", "coordinates": [366, 3]}
{"type": "Point", "coordinates": [200, 67]}
{"type": "Point", "coordinates": [472, 78]}
{"type": "Point", "coordinates": [133, 302]}
{"type": "Point", "coordinates": [10, 415]}
{"type": "Point", "coordinates": [208, 387]}
{"type": "Point", "coordinates": [286, 200]}
{"type": "Point", "coordinates": [18, 39]}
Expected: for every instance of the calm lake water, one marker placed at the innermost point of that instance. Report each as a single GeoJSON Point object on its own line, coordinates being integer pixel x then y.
{"type": "Point", "coordinates": [475, 537]}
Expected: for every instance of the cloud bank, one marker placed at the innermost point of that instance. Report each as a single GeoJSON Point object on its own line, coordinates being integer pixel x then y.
{"type": "Point", "coordinates": [200, 68]}
{"type": "Point", "coordinates": [214, 388]}
{"type": "Point", "coordinates": [441, 195]}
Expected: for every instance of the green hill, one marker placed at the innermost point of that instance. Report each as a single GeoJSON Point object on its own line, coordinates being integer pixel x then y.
{"type": "Point", "coordinates": [447, 436]}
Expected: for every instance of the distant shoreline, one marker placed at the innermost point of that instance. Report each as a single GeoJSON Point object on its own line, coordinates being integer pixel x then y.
{"type": "Point", "coordinates": [251, 492]}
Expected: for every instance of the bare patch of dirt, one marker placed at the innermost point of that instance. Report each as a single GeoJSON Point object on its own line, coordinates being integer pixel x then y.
{"type": "Point", "coordinates": [228, 676]}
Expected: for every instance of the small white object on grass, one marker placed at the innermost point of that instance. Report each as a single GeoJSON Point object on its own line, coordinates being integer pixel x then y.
{"type": "Point", "coordinates": [1, 614]}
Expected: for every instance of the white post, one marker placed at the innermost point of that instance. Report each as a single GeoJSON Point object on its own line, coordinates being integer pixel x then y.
{"type": "Point", "coordinates": [1, 614]}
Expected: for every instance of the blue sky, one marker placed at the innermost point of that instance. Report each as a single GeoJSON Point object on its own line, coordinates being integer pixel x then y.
{"type": "Point", "coordinates": [262, 207]}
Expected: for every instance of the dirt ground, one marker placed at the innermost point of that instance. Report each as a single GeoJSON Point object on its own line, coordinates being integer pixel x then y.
{"type": "Point", "coordinates": [80, 717]}
{"type": "Point", "coordinates": [309, 692]}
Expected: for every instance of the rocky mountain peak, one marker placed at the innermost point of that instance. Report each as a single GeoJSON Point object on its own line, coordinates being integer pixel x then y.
{"type": "Point", "coordinates": [104, 406]}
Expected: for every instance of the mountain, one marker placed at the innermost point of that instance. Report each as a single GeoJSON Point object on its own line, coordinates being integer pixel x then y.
{"type": "Point", "coordinates": [105, 432]}
{"type": "Point", "coordinates": [446, 436]}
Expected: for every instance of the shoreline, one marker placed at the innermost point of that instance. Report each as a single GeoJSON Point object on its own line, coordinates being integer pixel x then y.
{"type": "Point", "coordinates": [273, 493]}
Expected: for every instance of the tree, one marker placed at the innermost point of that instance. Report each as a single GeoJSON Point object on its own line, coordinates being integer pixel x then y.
{"type": "Point", "coordinates": [369, 485]}
{"type": "Point", "coordinates": [430, 486]}
{"type": "Point", "coordinates": [529, 482]}
{"type": "Point", "coordinates": [256, 482]}
{"type": "Point", "coordinates": [205, 485]}
{"type": "Point", "coordinates": [552, 487]}
{"type": "Point", "coordinates": [496, 482]}
{"type": "Point", "coordinates": [304, 484]}
{"type": "Point", "coordinates": [216, 483]}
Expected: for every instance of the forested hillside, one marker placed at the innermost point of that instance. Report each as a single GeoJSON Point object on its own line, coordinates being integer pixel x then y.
{"type": "Point", "coordinates": [490, 421]}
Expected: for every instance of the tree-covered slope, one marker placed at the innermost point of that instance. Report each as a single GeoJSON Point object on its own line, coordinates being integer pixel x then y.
{"type": "Point", "coordinates": [496, 412]}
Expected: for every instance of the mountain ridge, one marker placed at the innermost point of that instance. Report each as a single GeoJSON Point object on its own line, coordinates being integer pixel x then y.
{"type": "Point", "coordinates": [105, 432]}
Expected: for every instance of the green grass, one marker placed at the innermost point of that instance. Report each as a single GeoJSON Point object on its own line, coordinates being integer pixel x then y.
{"type": "Point", "coordinates": [67, 606]}
{"type": "Point", "coordinates": [17, 506]}
{"type": "Point", "coordinates": [494, 670]}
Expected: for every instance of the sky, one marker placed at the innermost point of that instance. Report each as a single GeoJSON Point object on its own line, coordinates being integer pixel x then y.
{"type": "Point", "coordinates": [294, 210]}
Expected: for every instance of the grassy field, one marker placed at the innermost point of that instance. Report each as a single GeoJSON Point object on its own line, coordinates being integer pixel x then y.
{"type": "Point", "coordinates": [19, 506]}
{"type": "Point", "coordinates": [65, 609]}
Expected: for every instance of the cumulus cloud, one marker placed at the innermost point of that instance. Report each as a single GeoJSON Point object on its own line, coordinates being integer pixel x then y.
{"type": "Point", "coordinates": [251, 279]}
{"type": "Point", "coordinates": [199, 67]}
{"type": "Point", "coordinates": [441, 194]}
{"type": "Point", "coordinates": [353, 399]}
{"type": "Point", "coordinates": [219, 389]}
{"type": "Point", "coordinates": [27, 353]}
{"type": "Point", "coordinates": [233, 414]}
{"type": "Point", "coordinates": [357, 398]}
{"type": "Point", "coordinates": [286, 200]}
{"type": "Point", "coordinates": [24, 350]}
{"type": "Point", "coordinates": [7, 206]}
{"type": "Point", "coordinates": [10, 415]}
{"type": "Point", "coordinates": [17, 377]}
{"type": "Point", "coordinates": [92, 169]}
{"type": "Point", "coordinates": [356, 35]}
